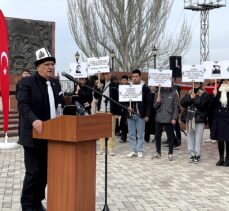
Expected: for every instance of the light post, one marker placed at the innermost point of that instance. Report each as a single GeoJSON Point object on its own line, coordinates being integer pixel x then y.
{"type": "Point", "coordinates": [77, 56]}
{"type": "Point", "coordinates": [154, 51]}
{"type": "Point", "coordinates": [112, 60]}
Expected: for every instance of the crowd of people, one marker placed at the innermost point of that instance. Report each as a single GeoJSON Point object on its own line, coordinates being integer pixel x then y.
{"type": "Point", "coordinates": [160, 109]}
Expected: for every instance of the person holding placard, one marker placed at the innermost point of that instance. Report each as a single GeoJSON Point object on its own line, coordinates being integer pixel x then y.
{"type": "Point", "coordinates": [196, 103]}
{"type": "Point", "coordinates": [123, 121]}
{"type": "Point", "coordinates": [136, 121]}
{"type": "Point", "coordinates": [83, 95]}
{"type": "Point", "coordinates": [166, 104]}
{"type": "Point", "coordinates": [220, 123]}
{"type": "Point", "coordinates": [110, 89]}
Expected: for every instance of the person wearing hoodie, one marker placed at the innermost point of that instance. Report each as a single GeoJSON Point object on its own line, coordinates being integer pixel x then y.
{"type": "Point", "coordinates": [196, 103]}
{"type": "Point", "coordinates": [166, 104]}
{"type": "Point", "coordinates": [220, 123]}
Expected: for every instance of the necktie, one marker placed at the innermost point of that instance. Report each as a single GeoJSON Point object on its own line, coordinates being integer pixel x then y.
{"type": "Point", "coordinates": [51, 100]}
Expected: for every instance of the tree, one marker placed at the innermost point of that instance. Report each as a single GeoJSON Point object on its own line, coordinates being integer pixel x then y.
{"type": "Point", "coordinates": [131, 27]}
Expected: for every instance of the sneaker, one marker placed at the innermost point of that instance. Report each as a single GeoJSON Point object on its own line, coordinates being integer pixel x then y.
{"type": "Point", "coordinates": [131, 154]}
{"type": "Point", "coordinates": [157, 155]}
{"type": "Point", "coordinates": [196, 159]}
{"type": "Point", "coordinates": [208, 140]}
{"type": "Point", "coordinates": [99, 152]}
{"type": "Point", "coordinates": [191, 159]}
{"type": "Point", "coordinates": [140, 155]}
{"type": "Point", "coordinates": [214, 141]}
{"type": "Point", "coordinates": [112, 153]}
{"type": "Point", "coordinates": [170, 157]}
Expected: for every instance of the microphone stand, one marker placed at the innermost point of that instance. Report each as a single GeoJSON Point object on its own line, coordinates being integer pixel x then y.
{"type": "Point", "coordinates": [107, 99]}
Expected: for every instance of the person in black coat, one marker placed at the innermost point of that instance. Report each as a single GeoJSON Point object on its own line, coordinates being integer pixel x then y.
{"type": "Point", "coordinates": [83, 95]}
{"type": "Point", "coordinates": [150, 125]}
{"type": "Point", "coordinates": [123, 121]}
{"type": "Point", "coordinates": [38, 97]}
{"type": "Point", "coordinates": [210, 109]}
{"type": "Point", "coordinates": [220, 125]}
{"type": "Point", "coordinates": [196, 103]}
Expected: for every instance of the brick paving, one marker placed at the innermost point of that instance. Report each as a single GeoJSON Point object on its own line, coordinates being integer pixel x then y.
{"type": "Point", "coordinates": [140, 184]}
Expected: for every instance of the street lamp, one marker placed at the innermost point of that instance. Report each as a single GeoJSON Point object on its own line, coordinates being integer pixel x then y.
{"type": "Point", "coordinates": [154, 51]}
{"type": "Point", "coordinates": [112, 59]}
{"type": "Point", "coordinates": [77, 56]}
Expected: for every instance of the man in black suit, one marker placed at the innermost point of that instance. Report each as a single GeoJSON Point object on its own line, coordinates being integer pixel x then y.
{"type": "Point", "coordinates": [38, 97]}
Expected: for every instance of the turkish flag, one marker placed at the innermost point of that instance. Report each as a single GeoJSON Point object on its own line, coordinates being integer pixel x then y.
{"type": "Point", "coordinates": [4, 67]}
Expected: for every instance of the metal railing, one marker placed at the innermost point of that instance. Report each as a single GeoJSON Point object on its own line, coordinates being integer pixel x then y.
{"type": "Point", "coordinates": [66, 85]}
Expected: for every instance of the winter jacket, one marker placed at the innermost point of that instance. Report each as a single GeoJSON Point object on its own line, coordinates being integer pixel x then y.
{"type": "Point", "coordinates": [84, 97]}
{"type": "Point", "coordinates": [197, 107]}
{"type": "Point", "coordinates": [168, 107]}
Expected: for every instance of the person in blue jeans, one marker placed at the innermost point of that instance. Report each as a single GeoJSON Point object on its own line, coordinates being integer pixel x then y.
{"type": "Point", "coordinates": [137, 115]}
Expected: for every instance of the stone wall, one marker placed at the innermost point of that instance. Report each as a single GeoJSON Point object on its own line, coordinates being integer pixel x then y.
{"type": "Point", "coordinates": [25, 37]}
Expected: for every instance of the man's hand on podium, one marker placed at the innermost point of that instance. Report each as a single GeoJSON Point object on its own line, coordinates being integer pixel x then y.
{"type": "Point", "coordinates": [37, 125]}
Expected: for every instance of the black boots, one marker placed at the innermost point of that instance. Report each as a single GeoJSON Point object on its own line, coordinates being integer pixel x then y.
{"type": "Point", "coordinates": [226, 163]}
{"type": "Point", "coordinates": [221, 161]}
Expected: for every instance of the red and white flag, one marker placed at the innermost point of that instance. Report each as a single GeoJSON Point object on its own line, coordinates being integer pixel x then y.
{"type": "Point", "coordinates": [4, 67]}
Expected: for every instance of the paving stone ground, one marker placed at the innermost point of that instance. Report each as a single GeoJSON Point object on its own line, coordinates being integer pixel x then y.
{"type": "Point", "coordinates": [139, 184]}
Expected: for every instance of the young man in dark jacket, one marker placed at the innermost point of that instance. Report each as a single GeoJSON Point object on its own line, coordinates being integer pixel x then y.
{"type": "Point", "coordinates": [166, 105]}
{"type": "Point", "coordinates": [136, 121]}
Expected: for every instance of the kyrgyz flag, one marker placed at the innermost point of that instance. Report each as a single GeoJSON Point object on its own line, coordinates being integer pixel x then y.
{"type": "Point", "coordinates": [4, 66]}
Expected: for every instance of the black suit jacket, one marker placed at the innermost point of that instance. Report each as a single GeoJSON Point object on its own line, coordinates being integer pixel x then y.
{"type": "Point", "coordinates": [33, 104]}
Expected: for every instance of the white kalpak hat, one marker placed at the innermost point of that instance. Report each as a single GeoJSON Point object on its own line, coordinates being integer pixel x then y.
{"type": "Point", "coordinates": [43, 55]}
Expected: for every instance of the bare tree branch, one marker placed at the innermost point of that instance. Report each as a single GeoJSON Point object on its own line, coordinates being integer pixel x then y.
{"type": "Point", "coordinates": [131, 27]}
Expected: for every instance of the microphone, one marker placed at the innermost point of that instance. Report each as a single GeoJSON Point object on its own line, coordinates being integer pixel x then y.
{"type": "Point", "coordinates": [66, 75]}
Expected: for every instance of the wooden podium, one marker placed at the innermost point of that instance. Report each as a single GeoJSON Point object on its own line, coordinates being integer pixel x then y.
{"type": "Point", "coordinates": [72, 160]}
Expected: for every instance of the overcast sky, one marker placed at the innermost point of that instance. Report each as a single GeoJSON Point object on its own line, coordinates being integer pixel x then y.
{"type": "Point", "coordinates": [53, 10]}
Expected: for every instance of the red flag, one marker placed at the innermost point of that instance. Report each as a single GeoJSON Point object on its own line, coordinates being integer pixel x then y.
{"type": "Point", "coordinates": [4, 67]}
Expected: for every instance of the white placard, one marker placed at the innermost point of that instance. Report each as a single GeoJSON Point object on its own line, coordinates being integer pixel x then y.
{"type": "Point", "coordinates": [130, 92]}
{"type": "Point", "coordinates": [78, 70]}
{"type": "Point", "coordinates": [98, 65]}
{"type": "Point", "coordinates": [162, 78]}
{"type": "Point", "coordinates": [192, 73]}
{"type": "Point", "coordinates": [216, 70]}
